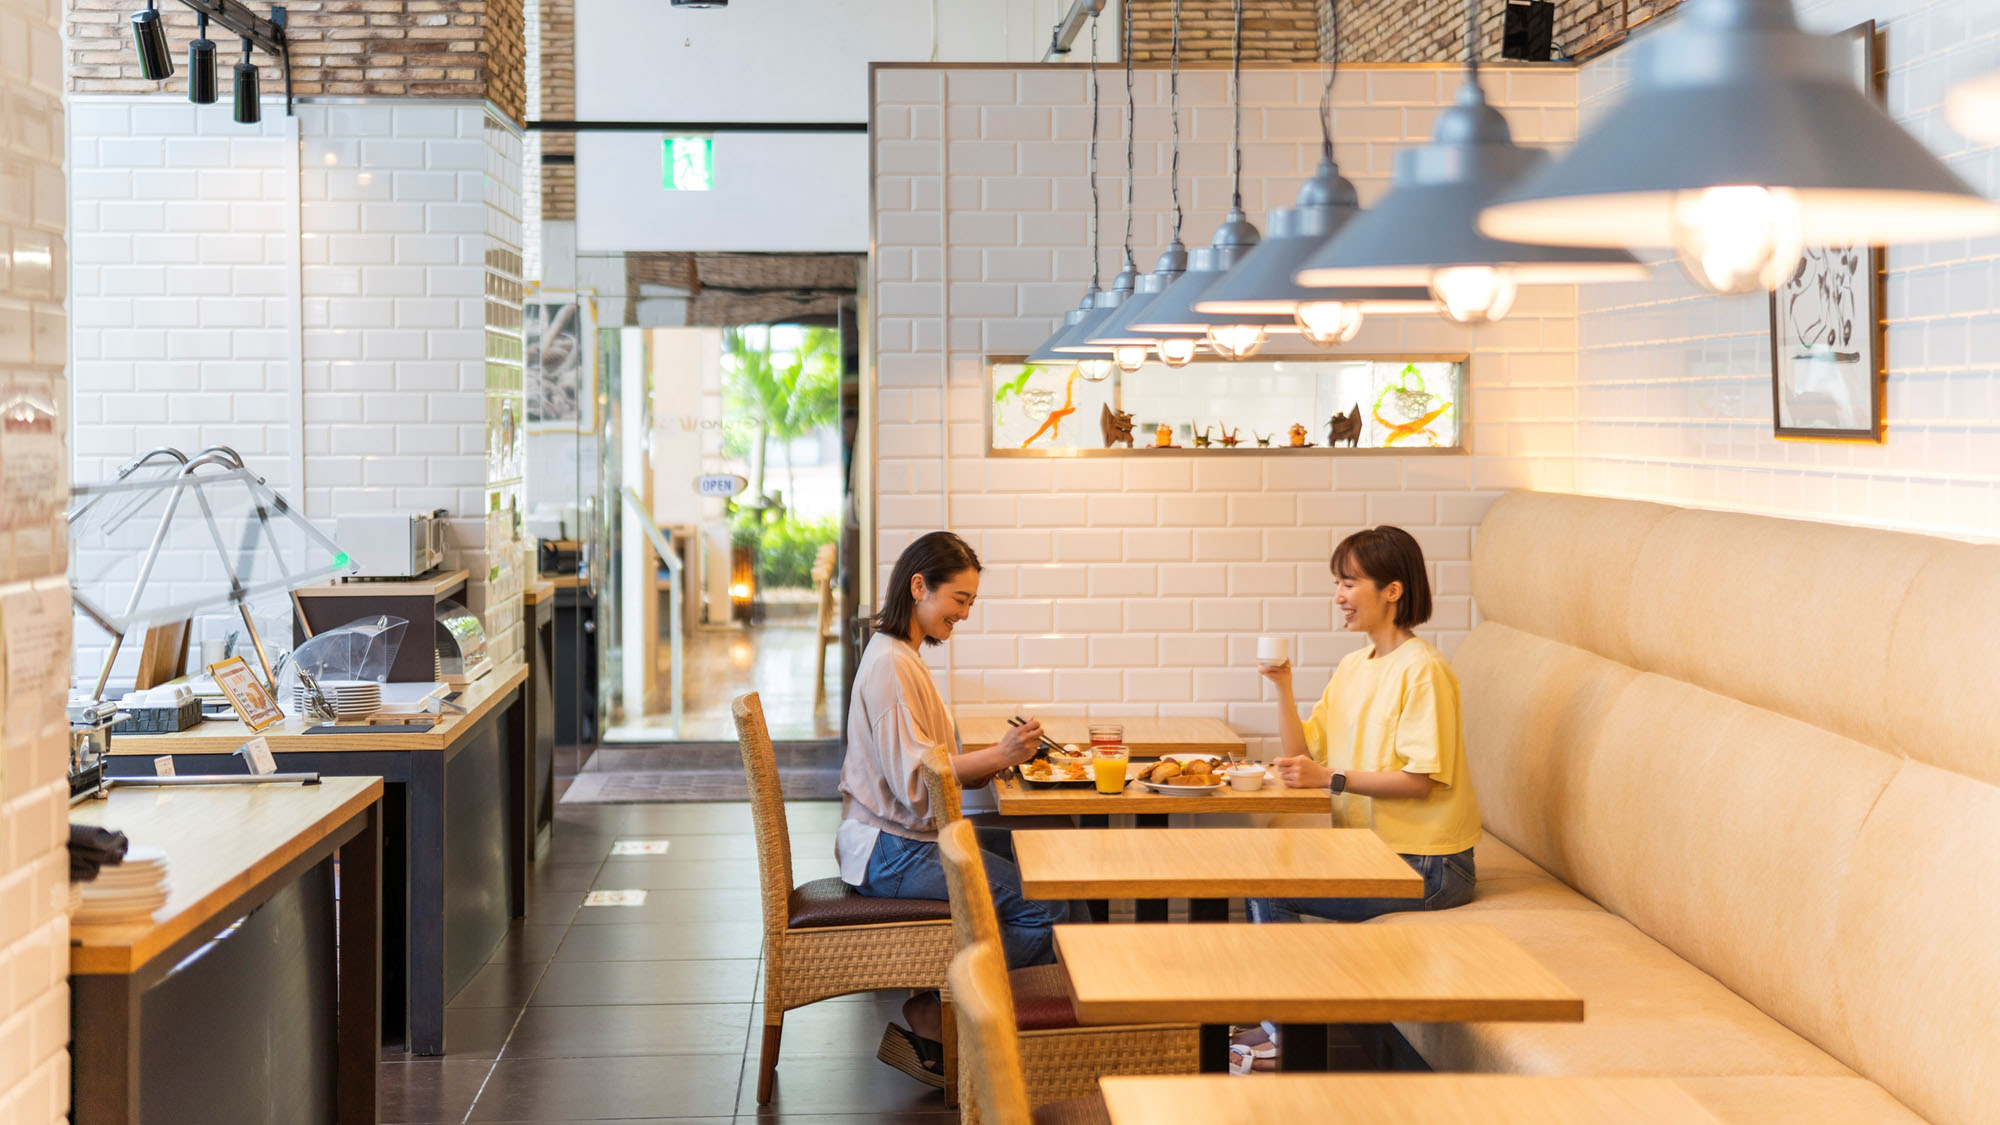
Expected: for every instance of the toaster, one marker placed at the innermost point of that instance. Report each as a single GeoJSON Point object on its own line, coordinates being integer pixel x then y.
{"type": "Point", "coordinates": [392, 545]}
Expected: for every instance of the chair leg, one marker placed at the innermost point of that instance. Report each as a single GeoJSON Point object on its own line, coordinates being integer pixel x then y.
{"type": "Point", "coordinates": [767, 1062]}
{"type": "Point", "coordinates": [949, 1032]}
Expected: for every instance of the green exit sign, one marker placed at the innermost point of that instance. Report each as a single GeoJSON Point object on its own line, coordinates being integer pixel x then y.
{"type": "Point", "coordinates": [690, 164]}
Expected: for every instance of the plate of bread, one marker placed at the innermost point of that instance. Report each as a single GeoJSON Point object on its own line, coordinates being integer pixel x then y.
{"type": "Point", "coordinates": [1184, 773]}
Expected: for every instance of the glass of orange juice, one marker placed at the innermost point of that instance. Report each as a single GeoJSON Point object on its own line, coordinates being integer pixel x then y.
{"type": "Point", "coordinates": [1108, 763]}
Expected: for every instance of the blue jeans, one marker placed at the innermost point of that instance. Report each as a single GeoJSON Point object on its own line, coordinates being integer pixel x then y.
{"type": "Point", "coordinates": [1447, 883]}
{"type": "Point", "coordinates": [905, 868]}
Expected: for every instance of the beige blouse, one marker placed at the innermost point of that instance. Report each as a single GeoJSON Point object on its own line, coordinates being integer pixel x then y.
{"type": "Point", "coordinates": [896, 716]}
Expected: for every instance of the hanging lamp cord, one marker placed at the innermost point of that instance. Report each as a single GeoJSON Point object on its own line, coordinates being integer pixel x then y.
{"type": "Point", "coordinates": [1472, 40]}
{"type": "Point", "coordinates": [1332, 69]}
{"type": "Point", "coordinates": [1174, 107]}
{"type": "Point", "coordinates": [1130, 132]}
{"type": "Point", "coordinates": [1236, 102]}
{"type": "Point", "coordinates": [1096, 212]}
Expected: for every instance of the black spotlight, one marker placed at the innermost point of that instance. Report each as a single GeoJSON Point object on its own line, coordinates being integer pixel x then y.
{"type": "Point", "coordinates": [1529, 31]}
{"type": "Point", "coordinates": [201, 67]}
{"type": "Point", "coordinates": [149, 35]}
{"type": "Point", "coordinates": [247, 110]}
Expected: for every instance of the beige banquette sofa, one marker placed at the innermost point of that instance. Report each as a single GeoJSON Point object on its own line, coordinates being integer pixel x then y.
{"type": "Point", "coordinates": [1741, 785]}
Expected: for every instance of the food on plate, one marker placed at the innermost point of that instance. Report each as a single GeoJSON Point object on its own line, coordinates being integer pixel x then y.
{"type": "Point", "coordinates": [1194, 772]}
{"type": "Point", "coordinates": [1045, 771]}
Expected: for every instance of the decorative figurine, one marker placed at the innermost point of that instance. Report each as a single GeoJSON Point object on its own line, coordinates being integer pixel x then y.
{"type": "Point", "coordinates": [1052, 425]}
{"type": "Point", "coordinates": [1201, 440]}
{"type": "Point", "coordinates": [1345, 427]}
{"type": "Point", "coordinates": [1262, 439]}
{"type": "Point", "coordinates": [1298, 436]}
{"type": "Point", "coordinates": [1117, 426]}
{"type": "Point", "coordinates": [1163, 437]}
{"type": "Point", "coordinates": [1229, 438]}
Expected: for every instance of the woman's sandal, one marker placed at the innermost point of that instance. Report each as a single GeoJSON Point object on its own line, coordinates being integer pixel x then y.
{"type": "Point", "coordinates": [914, 1055]}
{"type": "Point", "coordinates": [1250, 1046]}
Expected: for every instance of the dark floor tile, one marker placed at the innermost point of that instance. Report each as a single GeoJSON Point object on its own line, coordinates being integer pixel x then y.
{"type": "Point", "coordinates": [477, 1033]}
{"type": "Point", "coordinates": [849, 1027]}
{"type": "Point", "coordinates": [500, 985]}
{"type": "Point", "coordinates": [561, 876]}
{"type": "Point", "coordinates": [667, 874]}
{"type": "Point", "coordinates": [689, 846]}
{"type": "Point", "coordinates": [947, 1117]}
{"type": "Point", "coordinates": [678, 906]}
{"type": "Point", "coordinates": [551, 1090]}
{"type": "Point", "coordinates": [855, 1084]}
{"type": "Point", "coordinates": [569, 984]}
{"type": "Point", "coordinates": [606, 1031]}
{"type": "Point", "coordinates": [528, 943]}
{"type": "Point", "coordinates": [431, 1090]}
{"type": "Point", "coordinates": [553, 907]}
{"type": "Point", "coordinates": [667, 941]}
{"type": "Point", "coordinates": [731, 818]}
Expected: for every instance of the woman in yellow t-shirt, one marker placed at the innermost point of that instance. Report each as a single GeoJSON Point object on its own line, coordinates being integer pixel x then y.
{"type": "Point", "coordinates": [1385, 736]}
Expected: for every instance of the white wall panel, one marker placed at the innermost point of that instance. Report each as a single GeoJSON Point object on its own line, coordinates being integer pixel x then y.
{"type": "Point", "coordinates": [777, 192]}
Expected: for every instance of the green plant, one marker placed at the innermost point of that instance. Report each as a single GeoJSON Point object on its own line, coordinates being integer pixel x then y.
{"type": "Point", "coordinates": [786, 547]}
{"type": "Point", "coordinates": [790, 392]}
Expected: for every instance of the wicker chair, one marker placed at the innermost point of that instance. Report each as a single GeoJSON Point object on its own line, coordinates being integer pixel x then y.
{"type": "Point", "coordinates": [824, 939]}
{"type": "Point", "coordinates": [996, 1088]}
{"type": "Point", "coordinates": [1060, 1058]}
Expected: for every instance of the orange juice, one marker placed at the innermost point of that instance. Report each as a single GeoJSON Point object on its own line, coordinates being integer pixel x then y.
{"type": "Point", "coordinates": [1108, 763]}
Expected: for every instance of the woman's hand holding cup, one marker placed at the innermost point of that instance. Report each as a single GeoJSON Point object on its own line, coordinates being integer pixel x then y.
{"type": "Point", "coordinates": [1274, 660]}
{"type": "Point", "coordinates": [1302, 772]}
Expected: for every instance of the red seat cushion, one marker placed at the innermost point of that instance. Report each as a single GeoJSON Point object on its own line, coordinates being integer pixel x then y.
{"type": "Point", "coordinates": [1074, 1111]}
{"type": "Point", "coordinates": [1041, 998]}
{"type": "Point", "coordinates": [830, 902]}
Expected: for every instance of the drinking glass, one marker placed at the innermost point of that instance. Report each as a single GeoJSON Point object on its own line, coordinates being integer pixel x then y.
{"type": "Point", "coordinates": [1107, 764]}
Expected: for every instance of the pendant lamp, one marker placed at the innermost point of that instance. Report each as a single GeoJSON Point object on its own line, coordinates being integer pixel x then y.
{"type": "Point", "coordinates": [1129, 345]}
{"type": "Point", "coordinates": [1261, 284]}
{"type": "Point", "coordinates": [1097, 362]}
{"type": "Point", "coordinates": [1741, 139]}
{"type": "Point", "coordinates": [1973, 107]}
{"type": "Point", "coordinates": [1094, 368]}
{"type": "Point", "coordinates": [1422, 232]}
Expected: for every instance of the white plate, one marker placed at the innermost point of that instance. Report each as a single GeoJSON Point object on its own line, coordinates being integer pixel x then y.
{"type": "Point", "coordinates": [1182, 790]}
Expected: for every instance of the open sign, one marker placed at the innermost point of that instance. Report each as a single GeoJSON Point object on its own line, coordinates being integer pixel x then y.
{"type": "Point", "coordinates": [719, 484]}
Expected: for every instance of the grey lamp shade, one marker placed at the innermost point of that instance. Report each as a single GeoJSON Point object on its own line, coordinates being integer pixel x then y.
{"type": "Point", "coordinates": [1173, 311]}
{"type": "Point", "coordinates": [1263, 282]}
{"type": "Point", "coordinates": [1974, 107]}
{"type": "Point", "coordinates": [1047, 353]}
{"type": "Point", "coordinates": [1426, 221]}
{"type": "Point", "coordinates": [1118, 329]}
{"type": "Point", "coordinates": [1734, 94]}
{"type": "Point", "coordinates": [1074, 341]}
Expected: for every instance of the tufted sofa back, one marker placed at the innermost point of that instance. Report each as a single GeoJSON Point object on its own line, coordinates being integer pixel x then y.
{"type": "Point", "coordinates": [1772, 745]}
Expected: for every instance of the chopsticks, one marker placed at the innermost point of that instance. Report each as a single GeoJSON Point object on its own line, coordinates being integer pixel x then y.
{"type": "Point", "coordinates": [1048, 745]}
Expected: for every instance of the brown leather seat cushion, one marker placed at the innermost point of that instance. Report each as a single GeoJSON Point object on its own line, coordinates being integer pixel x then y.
{"type": "Point", "coordinates": [1041, 998]}
{"type": "Point", "coordinates": [830, 902]}
{"type": "Point", "coordinates": [1074, 1111]}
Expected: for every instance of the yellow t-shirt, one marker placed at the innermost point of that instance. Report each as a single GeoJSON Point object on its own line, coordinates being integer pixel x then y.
{"type": "Point", "coordinates": [1399, 713]}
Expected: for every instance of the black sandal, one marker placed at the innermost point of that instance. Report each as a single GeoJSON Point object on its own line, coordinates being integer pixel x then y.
{"type": "Point", "coordinates": [914, 1055]}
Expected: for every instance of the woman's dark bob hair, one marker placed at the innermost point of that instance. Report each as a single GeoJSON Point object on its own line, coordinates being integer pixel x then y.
{"type": "Point", "coordinates": [1383, 555]}
{"type": "Point", "coordinates": [939, 557]}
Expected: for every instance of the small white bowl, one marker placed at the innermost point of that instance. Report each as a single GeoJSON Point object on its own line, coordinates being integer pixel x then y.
{"type": "Point", "coordinates": [1246, 778]}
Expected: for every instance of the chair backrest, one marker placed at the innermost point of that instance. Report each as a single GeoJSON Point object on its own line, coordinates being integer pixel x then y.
{"type": "Point", "coordinates": [942, 783]}
{"type": "Point", "coordinates": [989, 1047]}
{"type": "Point", "coordinates": [973, 918]}
{"type": "Point", "coordinates": [767, 810]}
{"type": "Point", "coordinates": [822, 576]}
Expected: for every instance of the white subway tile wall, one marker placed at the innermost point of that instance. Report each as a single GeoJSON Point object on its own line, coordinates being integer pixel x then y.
{"type": "Point", "coordinates": [1117, 585]}
{"type": "Point", "coordinates": [34, 867]}
{"type": "Point", "coordinates": [317, 292]}
{"type": "Point", "coordinates": [1674, 386]}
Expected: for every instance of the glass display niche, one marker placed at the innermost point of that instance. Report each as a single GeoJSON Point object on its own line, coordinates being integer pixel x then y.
{"type": "Point", "coordinates": [1290, 406]}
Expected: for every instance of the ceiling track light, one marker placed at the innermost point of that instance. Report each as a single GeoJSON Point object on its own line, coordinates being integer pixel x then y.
{"type": "Point", "coordinates": [149, 40]}
{"type": "Point", "coordinates": [1741, 139]}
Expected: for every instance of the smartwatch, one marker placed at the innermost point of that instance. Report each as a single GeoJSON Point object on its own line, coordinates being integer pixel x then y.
{"type": "Point", "coordinates": [1339, 783]}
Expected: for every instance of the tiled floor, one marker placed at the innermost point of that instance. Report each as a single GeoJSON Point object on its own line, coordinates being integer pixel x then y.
{"type": "Point", "coordinates": [650, 1013]}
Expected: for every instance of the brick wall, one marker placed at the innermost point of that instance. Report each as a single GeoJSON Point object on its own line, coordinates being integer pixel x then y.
{"type": "Point", "coordinates": [34, 736]}
{"type": "Point", "coordinates": [558, 103]}
{"type": "Point", "coordinates": [1273, 30]}
{"type": "Point", "coordinates": [1434, 30]}
{"type": "Point", "coordinates": [981, 242]}
{"type": "Point", "coordinates": [343, 48]}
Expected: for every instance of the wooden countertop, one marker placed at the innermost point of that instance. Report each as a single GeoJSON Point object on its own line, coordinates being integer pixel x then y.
{"type": "Point", "coordinates": [430, 585]}
{"type": "Point", "coordinates": [224, 736]}
{"type": "Point", "coordinates": [1467, 1099]}
{"type": "Point", "coordinates": [1211, 863]}
{"type": "Point", "coordinates": [220, 841]}
{"type": "Point", "coordinates": [1306, 974]}
{"type": "Point", "coordinates": [1015, 798]}
{"type": "Point", "coordinates": [1145, 738]}
{"type": "Point", "coordinates": [538, 592]}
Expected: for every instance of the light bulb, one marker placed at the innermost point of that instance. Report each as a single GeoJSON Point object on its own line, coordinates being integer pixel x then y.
{"type": "Point", "coordinates": [1474, 294]}
{"type": "Point", "coordinates": [1177, 351]}
{"type": "Point", "coordinates": [1129, 357]}
{"type": "Point", "coordinates": [1235, 341]}
{"type": "Point", "coordinates": [1094, 370]}
{"type": "Point", "coordinates": [1738, 239]}
{"type": "Point", "coordinates": [1327, 323]}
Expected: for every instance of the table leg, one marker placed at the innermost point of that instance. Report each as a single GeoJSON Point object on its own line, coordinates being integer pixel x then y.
{"type": "Point", "coordinates": [360, 1044]}
{"type": "Point", "coordinates": [104, 1050]}
{"type": "Point", "coordinates": [1302, 1047]}
{"type": "Point", "coordinates": [1213, 1052]}
{"type": "Point", "coordinates": [1208, 910]}
{"type": "Point", "coordinates": [1151, 909]}
{"type": "Point", "coordinates": [1100, 908]}
{"type": "Point", "coordinates": [424, 831]}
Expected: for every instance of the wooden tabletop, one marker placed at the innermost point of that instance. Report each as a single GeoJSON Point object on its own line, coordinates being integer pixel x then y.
{"type": "Point", "coordinates": [1306, 974]}
{"type": "Point", "coordinates": [1393, 1099]}
{"type": "Point", "coordinates": [220, 841]}
{"type": "Point", "coordinates": [534, 593]}
{"type": "Point", "coordinates": [1015, 798]}
{"type": "Point", "coordinates": [1145, 738]}
{"type": "Point", "coordinates": [1211, 863]}
{"type": "Point", "coordinates": [223, 736]}
{"type": "Point", "coordinates": [429, 586]}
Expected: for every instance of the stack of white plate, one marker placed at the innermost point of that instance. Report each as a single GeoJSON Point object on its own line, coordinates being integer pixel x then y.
{"type": "Point", "coordinates": [351, 699]}
{"type": "Point", "coordinates": [125, 892]}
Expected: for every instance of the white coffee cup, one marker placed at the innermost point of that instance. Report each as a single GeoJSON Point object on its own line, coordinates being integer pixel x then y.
{"type": "Point", "coordinates": [1273, 652]}
{"type": "Point", "coordinates": [211, 652]}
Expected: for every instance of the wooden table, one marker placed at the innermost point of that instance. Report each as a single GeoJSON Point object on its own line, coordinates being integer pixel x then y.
{"type": "Point", "coordinates": [233, 997]}
{"type": "Point", "coordinates": [1306, 976]}
{"type": "Point", "coordinates": [1393, 1099]}
{"type": "Point", "coordinates": [1145, 738]}
{"type": "Point", "coordinates": [1212, 863]}
{"type": "Point", "coordinates": [1017, 798]}
{"type": "Point", "coordinates": [454, 845]}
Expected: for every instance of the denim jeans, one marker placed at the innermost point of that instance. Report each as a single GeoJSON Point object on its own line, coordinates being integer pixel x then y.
{"type": "Point", "coordinates": [1448, 882]}
{"type": "Point", "coordinates": [905, 868]}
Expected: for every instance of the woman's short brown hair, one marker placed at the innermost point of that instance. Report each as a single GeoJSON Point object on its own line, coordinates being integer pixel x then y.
{"type": "Point", "coordinates": [1383, 555]}
{"type": "Point", "coordinates": [939, 556]}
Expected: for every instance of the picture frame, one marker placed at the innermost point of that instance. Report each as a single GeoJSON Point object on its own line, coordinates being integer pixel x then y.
{"type": "Point", "coordinates": [559, 360]}
{"type": "Point", "coordinates": [1829, 341]}
{"type": "Point", "coordinates": [246, 693]}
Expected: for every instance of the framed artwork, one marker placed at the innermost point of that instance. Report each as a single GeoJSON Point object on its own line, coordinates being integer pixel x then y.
{"type": "Point", "coordinates": [246, 693]}
{"type": "Point", "coordinates": [559, 361]}
{"type": "Point", "coordinates": [1829, 354]}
